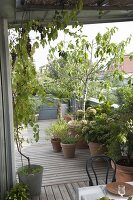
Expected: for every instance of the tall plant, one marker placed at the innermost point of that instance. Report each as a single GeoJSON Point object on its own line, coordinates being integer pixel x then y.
{"type": "Point", "coordinates": [24, 78]}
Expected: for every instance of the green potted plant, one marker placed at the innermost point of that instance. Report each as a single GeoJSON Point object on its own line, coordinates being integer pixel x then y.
{"type": "Point", "coordinates": [120, 146]}
{"type": "Point", "coordinates": [68, 143]}
{"type": "Point", "coordinates": [19, 191]}
{"type": "Point", "coordinates": [75, 127]}
{"type": "Point", "coordinates": [32, 177]}
{"type": "Point", "coordinates": [120, 143]}
{"type": "Point", "coordinates": [55, 131]}
{"type": "Point", "coordinates": [96, 134]}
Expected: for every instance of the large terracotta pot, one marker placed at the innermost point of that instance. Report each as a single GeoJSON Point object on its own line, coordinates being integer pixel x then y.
{"type": "Point", "coordinates": [123, 173]}
{"type": "Point", "coordinates": [82, 144]}
{"type": "Point", "coordinates": [68, 150]}
{"type": "Point", "coordinates": [96, 148]}
{"type": "Point", "coordinates": [56, 145]}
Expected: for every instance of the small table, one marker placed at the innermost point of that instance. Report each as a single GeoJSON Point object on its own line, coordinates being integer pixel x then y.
{"type": "Point", "coordinates": [95, 192]}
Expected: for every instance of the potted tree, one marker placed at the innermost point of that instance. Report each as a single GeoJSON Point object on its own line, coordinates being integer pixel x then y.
{"type": "Point", "coordinates": [25, 86]}
{"type": "Point", "coordinates": [31, 174]}
{"type": "Point", "coordinates": [55, 131]}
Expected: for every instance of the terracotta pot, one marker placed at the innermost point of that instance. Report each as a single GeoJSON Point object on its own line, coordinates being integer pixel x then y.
{"type": "Point", "coordinates": [82, 144]}
{"type": "Point", "coordinates": [68, 118]}
{"type": "Point", "coordinates": [68, 150]}
{"type": "Point", "coordinates": [96, 148]}
{"type": "Point", "coordinates": [123, 173]}
{"type": "Point", "coordinates": [56, 145]}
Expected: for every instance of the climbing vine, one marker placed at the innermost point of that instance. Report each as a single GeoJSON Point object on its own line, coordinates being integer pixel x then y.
{"type": "Point", "coordinates": [25, 85]}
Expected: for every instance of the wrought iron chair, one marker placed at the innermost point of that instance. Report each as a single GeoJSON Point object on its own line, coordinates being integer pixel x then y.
{"type": "Point", "coordinates": [91, 165]}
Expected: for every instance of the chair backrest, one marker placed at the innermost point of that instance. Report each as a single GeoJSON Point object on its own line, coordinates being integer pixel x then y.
{"type": "Point", "coordinates": [93, 163]}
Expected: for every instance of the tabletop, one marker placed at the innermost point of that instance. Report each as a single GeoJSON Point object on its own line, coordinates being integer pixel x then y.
{"type": "Point", "coordinates": [96, 192]}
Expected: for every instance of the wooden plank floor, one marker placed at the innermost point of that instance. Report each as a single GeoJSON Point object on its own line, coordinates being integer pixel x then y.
{"type": "Point", "coordinates": [61, 177]}
{"type": "Point", "coordinates": [66, 191]}
{"type": "Point", "coordinates": [57, 169]}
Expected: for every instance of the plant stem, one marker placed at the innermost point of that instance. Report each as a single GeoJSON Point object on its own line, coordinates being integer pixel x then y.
{"type": "Point", "coordinates": [19, 146]}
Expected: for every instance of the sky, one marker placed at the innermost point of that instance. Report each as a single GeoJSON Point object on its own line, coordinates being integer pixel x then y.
{"type": "Point", "coordinates": [91, 30]}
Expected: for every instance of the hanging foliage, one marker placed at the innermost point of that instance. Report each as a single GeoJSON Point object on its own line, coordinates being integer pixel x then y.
{"type": "Point", "coordinates": [25, 85]}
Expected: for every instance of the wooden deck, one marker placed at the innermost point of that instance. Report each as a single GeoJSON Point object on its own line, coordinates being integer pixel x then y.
{"type": "Point", "coordinates": [66, 191]}
{"type": "Point", "coordinates": [61, 177]}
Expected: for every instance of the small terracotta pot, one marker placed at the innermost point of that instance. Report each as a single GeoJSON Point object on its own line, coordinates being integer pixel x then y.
{"type": "Point", "coordinates": [123, 173]}
{"type": "Point", "coordinates": [96, 148]}
{"type": "Point", "coordinates": [68, 118]}
{"type": "Point", "coordinates": [68, 150]}
{"type": "Point", "coordinates": [56, 145]}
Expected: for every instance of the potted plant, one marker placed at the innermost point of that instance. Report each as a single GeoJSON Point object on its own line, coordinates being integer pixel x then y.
{"type": "Point", "coordinates": [31, 174]}
{"type": "Point", "coordinates": [19, 191]}
{"type": "Point", "coordinates": [55, 131]}
{"type": "Point", "coordinates": [120, 143]}
{"type": "Point", "coordinates": [68, 117]}
{"type": "Point", "coordinates": [120, 147]}
{"type": "Point", "coordinates": [96, 133]}
{"type": "Point", "coordinates": [75, 127]}
{"type": "Point", "coordinates": [68, 143]}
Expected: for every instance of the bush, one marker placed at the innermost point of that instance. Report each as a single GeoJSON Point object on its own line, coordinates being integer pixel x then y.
{"type": "Point", "coordinates": [69, 138]}
{"type": "Point", "coordinates": [57, 129]}
{"type": "Point", "coordinates": [18, 192]}
{"type": "Point", "coordinates": [90, 113]}
{"type": "Point", "coordinates": [79, 114]}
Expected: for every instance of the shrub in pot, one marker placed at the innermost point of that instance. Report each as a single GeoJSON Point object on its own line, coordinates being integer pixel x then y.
{"type": "Point", "coordinates": [120, 144]}
{"type": "Point", "coordinates": [120, 148]}
{"type": "Point", "coordinates": [75, 127]}
{"type": "Point", "coordinates": [68, 143]}
{"type": "Point", "coordinates": [96, 133]}
{"type": "Point", "coordinates": [55, 131]}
